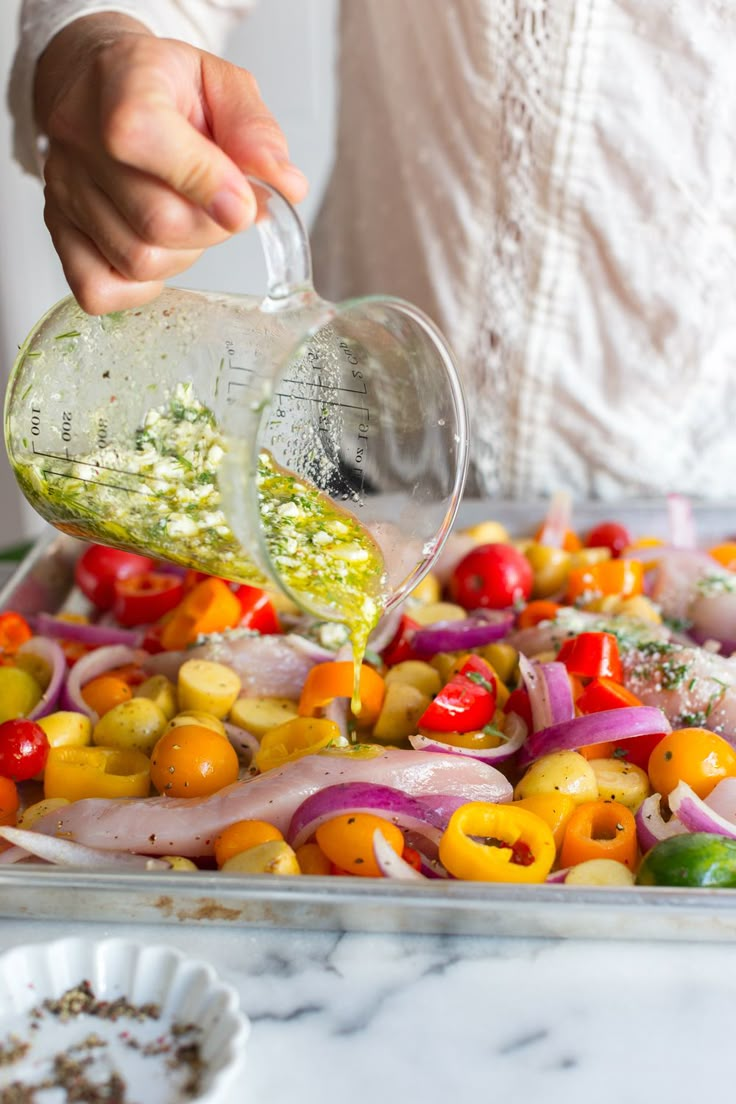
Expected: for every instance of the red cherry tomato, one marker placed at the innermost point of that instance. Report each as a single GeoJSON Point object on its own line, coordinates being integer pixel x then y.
{"type": "Point", "coordinates": [141, 599]}
{"type": "Point", "coordinates": [98, 567]}
{"type": "Point", "coordinates": [609, 534]}
{"type": "Point", "coordinates": [399, 648]}
{"type": "Point", "coordinates": [24, 749]}
{"type": "Point", "coordinates": [492, 576]}
{"type": "Point", "coordinates": [466, 703]}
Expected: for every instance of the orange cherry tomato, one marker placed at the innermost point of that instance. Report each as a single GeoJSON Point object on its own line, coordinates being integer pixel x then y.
{"type": "Point", "coordinates": [105, 692]}
{"type": "Point", "coordinates": [347, 841]}
{"type": "Point", "coordinates": [9, 802]}
{"type": "Point", "coordinates": [693, 755]}
{"type": "Point", "coordinates": [241, 836]}
{"type": "Point", "coordinates": [193, 761]}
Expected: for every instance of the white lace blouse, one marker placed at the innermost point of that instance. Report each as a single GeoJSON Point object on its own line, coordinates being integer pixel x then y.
{"type": "Point", "coordinates": [554, 182]}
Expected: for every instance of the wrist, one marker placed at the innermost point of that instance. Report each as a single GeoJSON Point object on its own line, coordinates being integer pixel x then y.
{"type": "Point", "coordinates": [69, 50]}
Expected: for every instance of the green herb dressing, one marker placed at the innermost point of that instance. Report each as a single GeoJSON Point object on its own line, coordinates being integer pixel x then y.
{"type": "Point", "coordinates": [162, 497]}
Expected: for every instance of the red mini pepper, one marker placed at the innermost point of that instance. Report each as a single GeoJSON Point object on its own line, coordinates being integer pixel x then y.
{"type": "Point", "coordinates": [142, 599]}
{"type": "Point", "coordinates": [399, 649]}
{"type": "Point", "coordinates": [257, 609]}
{"type": "Point", "coordinates": [592, 655]}
{"type": "Point", "coordinates": [466, 703]}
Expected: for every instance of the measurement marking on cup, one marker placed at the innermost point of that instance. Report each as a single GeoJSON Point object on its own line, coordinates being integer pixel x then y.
{"type": "Point", "coordinates": [328, 386]}
{"type": "Point", "coordinates": [94, 482]}
{"type": "Point", "coordinates": [95, 464]}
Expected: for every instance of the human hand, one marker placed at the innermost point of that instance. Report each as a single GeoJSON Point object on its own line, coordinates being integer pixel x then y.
{"type": "Point", "coordinates": [149, 139]}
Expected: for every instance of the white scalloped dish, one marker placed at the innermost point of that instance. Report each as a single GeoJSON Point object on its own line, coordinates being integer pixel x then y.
{"type": "Point", "coordinates": [118, 1022]}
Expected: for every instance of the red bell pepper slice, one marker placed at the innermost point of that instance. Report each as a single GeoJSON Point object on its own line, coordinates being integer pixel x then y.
{"type": "Point", "coordinates": [142, 599]}
{"type": "Point", "coordinates": [603, 693]}
{"type": "Point", "coordinates": [518, 702]}
{"type": "Point", "coordinates": [592, 655]}
{"type": "Point", "coordinates": [258, 611]}
{"type": "Point", "coordinates": [399, 649]}
{"type": "Point", "coordinates": [466, 703]}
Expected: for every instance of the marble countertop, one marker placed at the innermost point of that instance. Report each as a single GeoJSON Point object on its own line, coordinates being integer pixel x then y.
{"type": "Point", "coordinates": [355, 1018]}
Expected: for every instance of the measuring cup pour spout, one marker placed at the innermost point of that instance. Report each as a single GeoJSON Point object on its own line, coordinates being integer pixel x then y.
{"type": "Point", "coordinates": [278, 440]}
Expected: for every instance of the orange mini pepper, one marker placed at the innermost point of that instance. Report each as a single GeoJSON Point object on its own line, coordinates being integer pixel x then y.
{"type": "Point", "coordinates": [209, 607]}
{"type": "Point", "coordinates": [624, 578]}
{"type": "Point", "coordinates": [14, 631]}
{"type": "Point", "coordinates": [336, 679]}
{"type": "Point", "coordinates": [600, 830]}
{"type": "Point", "coordinates": [541, 609]}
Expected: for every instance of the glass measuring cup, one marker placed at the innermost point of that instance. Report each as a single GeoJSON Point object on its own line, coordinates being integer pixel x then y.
{"type": "Point", "coordinates": [156, 429]}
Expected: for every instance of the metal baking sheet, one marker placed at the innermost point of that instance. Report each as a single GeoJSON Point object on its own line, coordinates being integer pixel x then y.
{"type": "Point", "coordinates": [44, 581]}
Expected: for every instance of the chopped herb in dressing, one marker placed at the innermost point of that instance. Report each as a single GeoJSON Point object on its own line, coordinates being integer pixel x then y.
{"type": "Point", "coordinates": [161, 496]}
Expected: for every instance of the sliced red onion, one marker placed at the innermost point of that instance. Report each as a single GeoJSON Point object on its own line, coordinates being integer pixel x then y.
{"type": "Point", "coordinates": [722, 799]}
{"type": "Point", "coordinates": [392, 865]}
{"type": "Point", "coordinates": [651, 827]}
{"type": "Point", "coordinates": [91, 666]}
{"type": "Point", "coordinates": [557, 521]}
{"type": "Point", "coordinates": [65, 853]}
{"type": "Point", "coordinates": [550, 693]}
{"type": "Point", "coordinates": [456, 636]}
{"type": "Point", "coordinates": [385, 630]}
{"type": "Point", "coordinates": [337, 711]}
{"type": "Point", "coordinates": [94, 635]}
{"type": "Point", "coordinates": [597, 728]}
{"type": "Point", "coordinates": [558, 877]}
{"type": "Point", "coordinates": [681, 521]}
{"type": "Point", "coordinates": [515, 732]}
{"type": "Point", "coordinates": [12, 855]}
{"type": "Point", "coordinates": [364, 797]}
{"type": "Point", "coordinates": [51, 654]}
{"type": "Point", "coordinates": [696, 815]}
{"type": "Point", "coordinates": [244, 742]}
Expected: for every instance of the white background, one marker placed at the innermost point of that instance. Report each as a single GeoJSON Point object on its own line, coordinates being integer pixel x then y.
{"type": "Point", "coordinates": [289, 46]}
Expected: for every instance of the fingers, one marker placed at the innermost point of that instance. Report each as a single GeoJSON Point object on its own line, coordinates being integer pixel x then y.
{"type": "Point", "coordinates": [87, 208]}
{"type": "Point", "coordinates": [95, 284]}
{"type": "Point", "coordinates": [244, 128]}
{"type": "Point", "coordinates": [153, 211]}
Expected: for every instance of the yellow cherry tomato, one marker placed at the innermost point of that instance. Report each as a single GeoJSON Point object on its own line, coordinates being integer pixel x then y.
{"type": "Point", "coordinates": [241, 836]}
{"type": "Point", "coordinates": [347, 841]}
{"type": "Point", "coordinates": [693, 755]}
{"type": "Point", "coordinates": [312, 860]}
{"type": "Point", "coordinates": [193, 761]}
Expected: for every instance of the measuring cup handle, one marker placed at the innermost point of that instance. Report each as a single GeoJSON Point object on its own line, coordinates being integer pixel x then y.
{"type": "Point", "coordinates": [285, 245]}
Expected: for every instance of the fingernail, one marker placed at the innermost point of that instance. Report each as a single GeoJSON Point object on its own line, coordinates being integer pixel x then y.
{"type": "Point", "coordinates": [285, 166]}
{"type": "Point", "coordinates": [232, 209]}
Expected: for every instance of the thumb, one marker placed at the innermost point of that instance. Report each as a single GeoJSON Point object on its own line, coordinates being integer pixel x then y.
{"type": "Point", "coordinates": [244, 129]}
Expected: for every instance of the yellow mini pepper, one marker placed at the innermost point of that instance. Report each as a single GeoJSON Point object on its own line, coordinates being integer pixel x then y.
{"type": "Point", "coordinates": [293, 740]}
{"type": "Point", "coordinates": [484, 842]}
{"type": "Point", "coordinates": [77, 772]}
